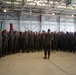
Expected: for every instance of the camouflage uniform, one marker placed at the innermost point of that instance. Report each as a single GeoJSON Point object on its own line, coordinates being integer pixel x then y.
{"type": "Point", "coordinates": [16, 42]}
{"type": "Point", "coordinates": [48, 42]}
{"type": "Point", "coordinates": [0, 44]}
{"type": "Point", "coordinates": [11, 42]}
{"type": "Point", "coordinates": [4, 43]}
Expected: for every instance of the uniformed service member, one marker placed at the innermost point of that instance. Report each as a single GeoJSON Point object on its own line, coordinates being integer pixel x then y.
{"type": "Point", "coordinates": [11, 42]}
{"type": "Point", "coordinates": [4, 43]}
{"type": "Point", "coordinates": [0, 44]}
{"type": "Point", "coordinates": [48, 40]}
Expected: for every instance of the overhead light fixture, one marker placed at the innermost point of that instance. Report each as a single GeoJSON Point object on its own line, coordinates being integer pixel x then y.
{"type": "Point", "coordinates": [72, 15]}
{"type": "Point", "coordinates": [5, 10]}
{"type": "Point", "coordinates": [31, 3]}
{"type": "Point", "coordinates": [16, 3]}
{"type": "Point", "coordinates": [38, 1]}
{"type": "Point", "coordinates": [29, 0]}
{"type": "Point", "coordinates": [53, 13]}
{"type": "Point", "coordinates": [51, 2]}
{"type": "Point", "coordinates": [8, 2]}
{"type": "Point", "coordinates": [18, 0]}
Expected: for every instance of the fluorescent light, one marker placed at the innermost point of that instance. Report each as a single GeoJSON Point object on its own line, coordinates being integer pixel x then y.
{"type": "Point", "coordinates": [53, 13]}
{"type": "Point", "coordinates": [29, 0]}
{"type": "Point", "coordinates": [31, 3]}
{"type": "Point", "coordinates": [8, 2]}
{"type": "Point", "coordinates": [5, 10]}
{"type": "Point", "coordinates": [51, 2]}
{"type": "Point", "coordinates": [16, 3]}
{"type": "Point", "coordinates": [72, 15]}
{"type": "Point", "coordinates": [18, 0]}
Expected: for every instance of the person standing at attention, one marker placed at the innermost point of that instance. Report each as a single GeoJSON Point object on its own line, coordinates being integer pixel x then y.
{"type": "Point", "coordinates": [48, 42]}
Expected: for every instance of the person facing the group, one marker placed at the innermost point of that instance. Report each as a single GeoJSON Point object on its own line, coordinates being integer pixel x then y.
{"type": "Point", "coordinates": [48, 43]}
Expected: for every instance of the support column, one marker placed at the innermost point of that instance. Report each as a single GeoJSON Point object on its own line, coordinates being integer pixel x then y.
{"type": "Point", "coordinates": [12, 4]}
{"type": "Point", "coordinates": [23, 2]}
{"type": "Point", "coordinates": [40, 23]}
{"type": "Point", "coordinates": [19, 25]}
{"type": "Point", "coordinates": [58, 20]}
{"type": "Point", "coordinates": [74, 24]}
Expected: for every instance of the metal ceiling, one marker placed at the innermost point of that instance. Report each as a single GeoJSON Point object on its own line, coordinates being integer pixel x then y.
{"type": "Point", "coordinates": [39, 6]}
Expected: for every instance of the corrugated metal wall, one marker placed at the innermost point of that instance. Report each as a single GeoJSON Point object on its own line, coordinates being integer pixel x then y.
{"type": "Point", "coordinates": [33, 23]}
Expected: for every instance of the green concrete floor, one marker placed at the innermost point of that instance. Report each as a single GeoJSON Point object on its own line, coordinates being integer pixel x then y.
{"type": "Point", "coordinates": [60, 63]}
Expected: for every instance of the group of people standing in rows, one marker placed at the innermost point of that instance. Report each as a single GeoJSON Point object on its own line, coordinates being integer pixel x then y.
{"type": "Point", "coordinates": [14, 42]}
